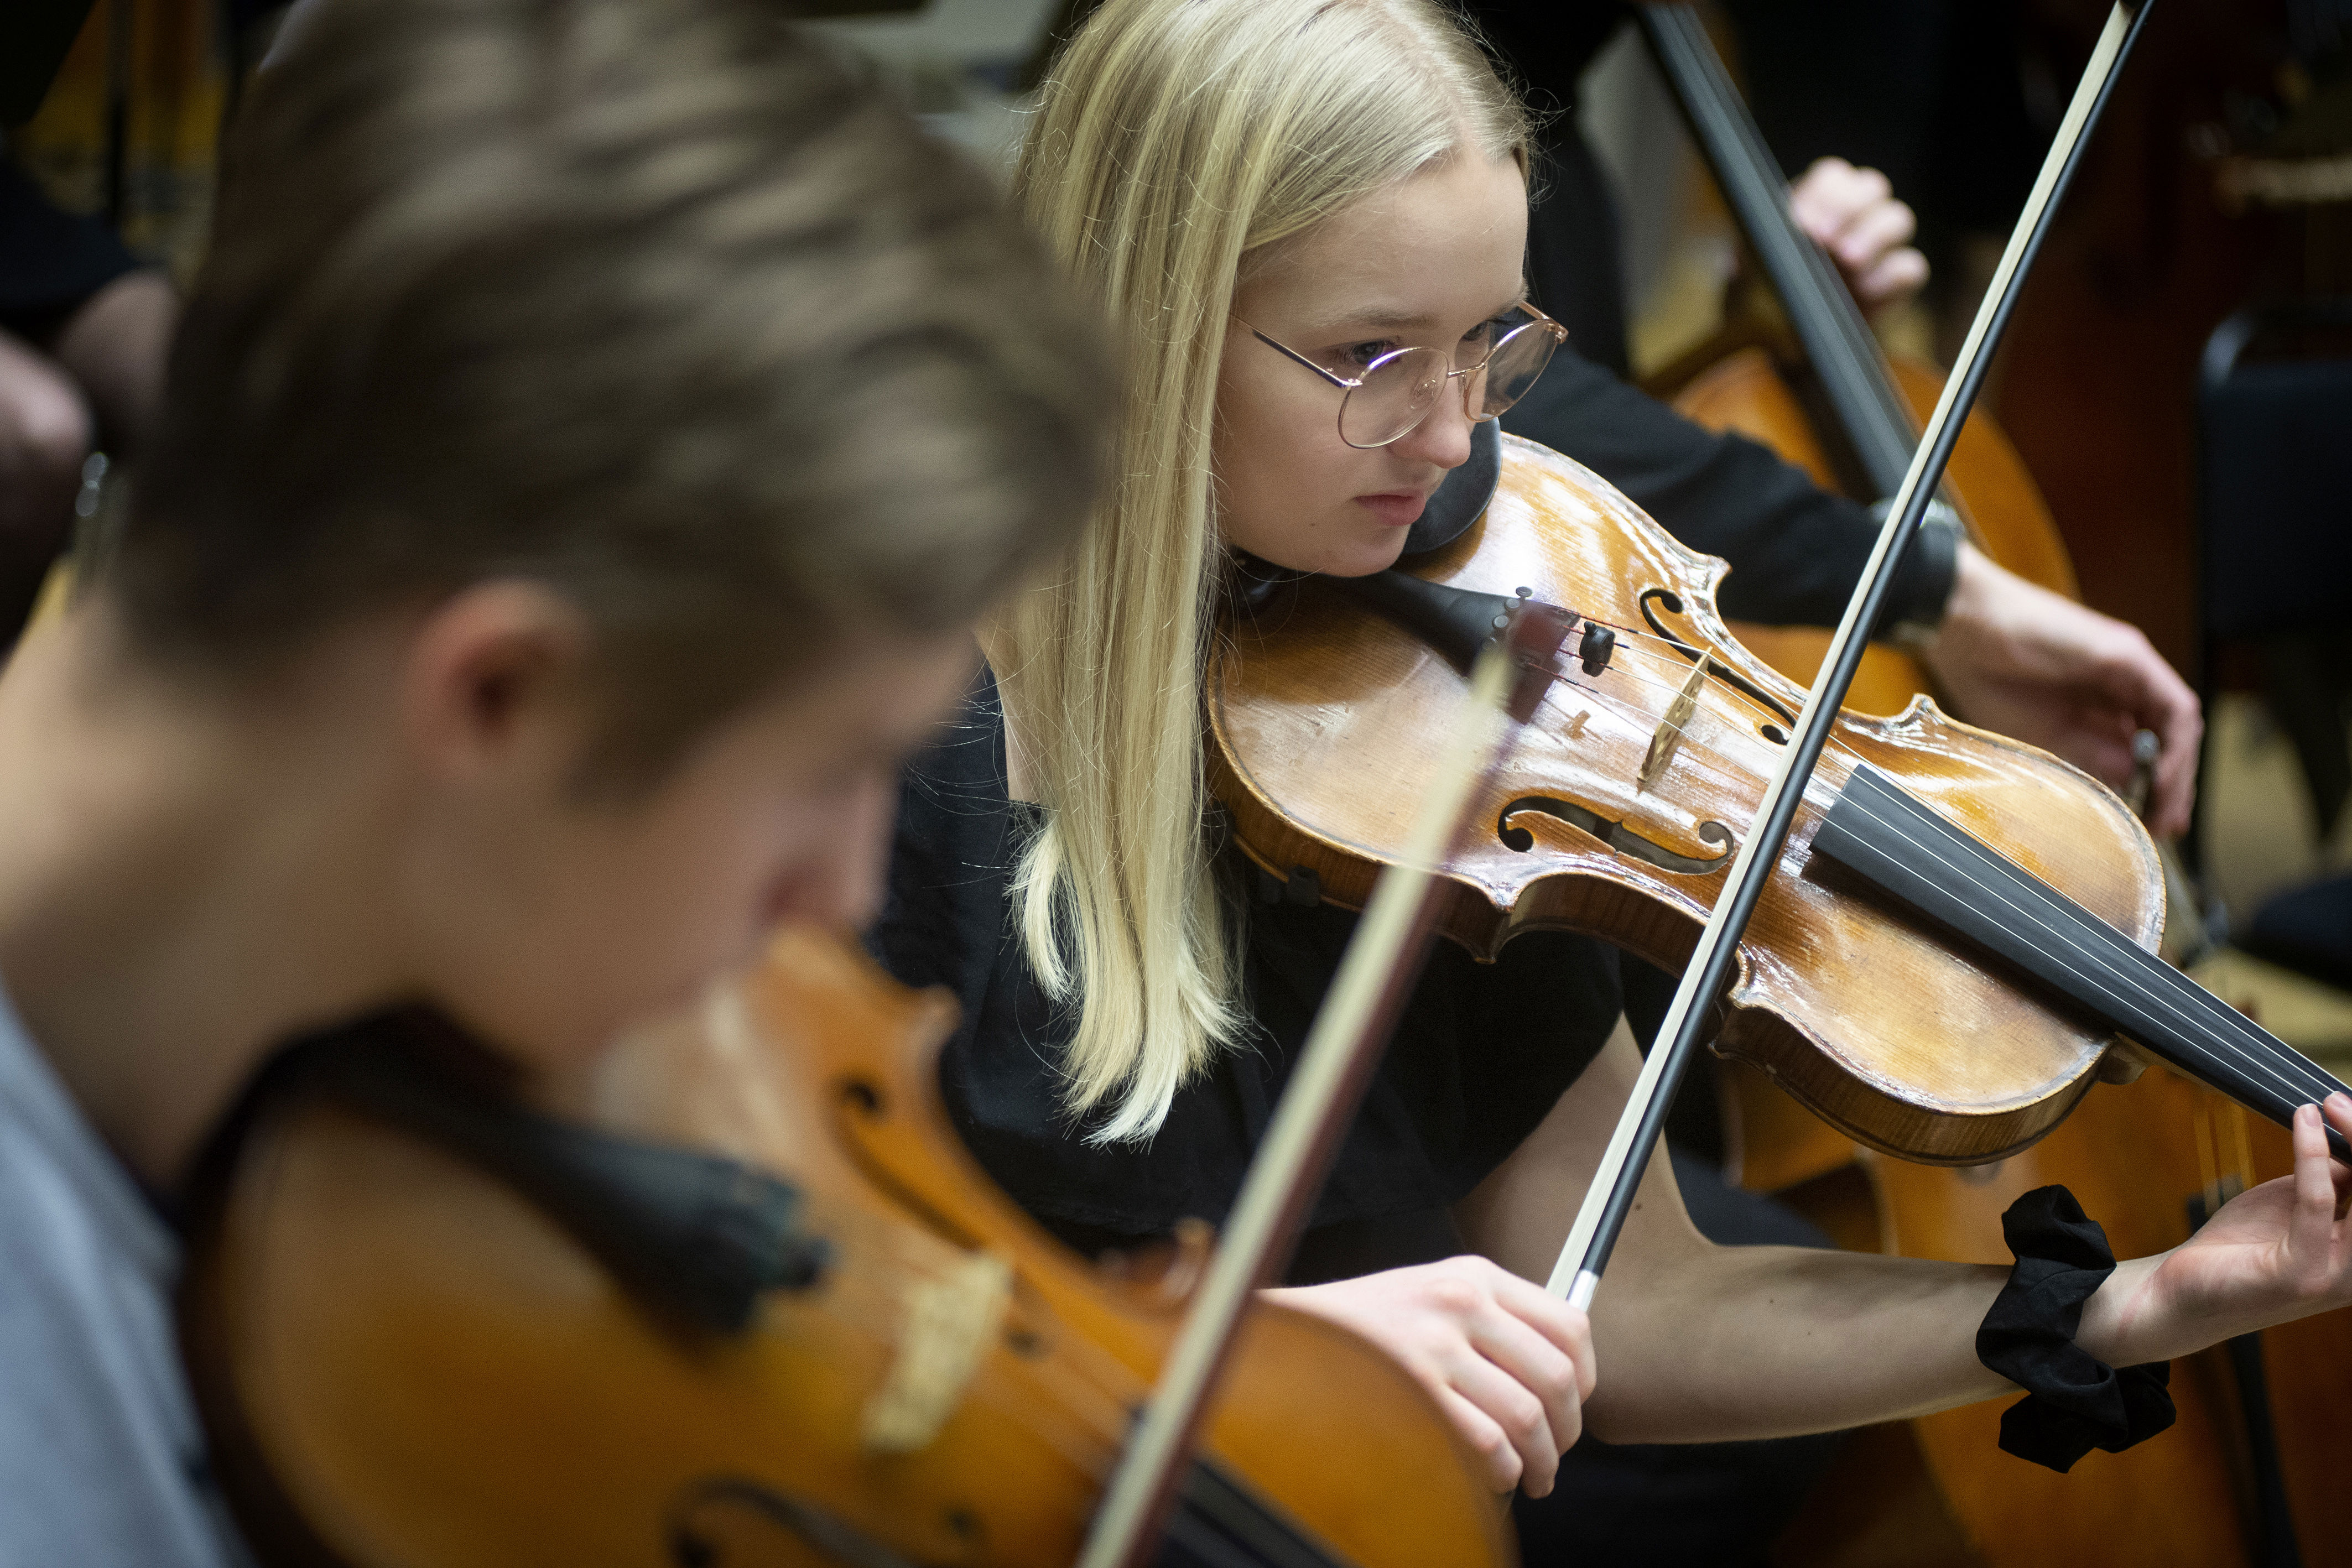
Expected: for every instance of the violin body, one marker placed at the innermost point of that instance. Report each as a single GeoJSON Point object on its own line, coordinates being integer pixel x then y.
{"type": "Point", "coordinates": [1310, 696]}
{"type": "Point", "coordinates": [403, 1361]}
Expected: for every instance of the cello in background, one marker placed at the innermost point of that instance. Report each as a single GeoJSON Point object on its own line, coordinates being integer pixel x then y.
{"type": "Point", "coordinates": [2145, 1159]}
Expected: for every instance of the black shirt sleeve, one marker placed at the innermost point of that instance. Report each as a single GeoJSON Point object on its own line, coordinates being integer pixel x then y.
{"type": "Point", "coordinates": [1795, 549]}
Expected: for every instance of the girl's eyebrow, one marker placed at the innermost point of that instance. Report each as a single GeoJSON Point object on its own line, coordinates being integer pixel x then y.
{"type": "Point", "coordinates": [1383, 320]}
{"type": "Point", "coordinates": [1378, 319]}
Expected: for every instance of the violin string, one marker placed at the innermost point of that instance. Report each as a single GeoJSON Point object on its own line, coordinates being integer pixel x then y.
{"type": "Point", "coordinates": [1650, 722]}
{"type": "Point", "coordinates": [2221, 1021]}
{"type": "Point", "coordinates": [2257, 1056]}
{"type": "Point", "coordinates": [1672, 652]}
{"type": "Point", "coordinates": [1092, 1377]}
{"type": "Point", "coordinates": [1677, 651]}
{"type": "Point", "coordinates": [1738, 695]}
{"type": "Point", "coordinates": [2217, 1017]}
{"type": "Point", "coordinates": [1673, 658]}
{"type": "Point", "coordinates": [2251, 1046]}
{"type": "Point", "coordinates": [1092, 1448]}
{"type": "Point", "coordinates": [1715, 682]}
{"type": "Point", "coordinates": [1821, 793]}
{"type": "Point", "coordinates": [1651, 718]}
{"type": "Point", "coordinates": [1077, 1366]}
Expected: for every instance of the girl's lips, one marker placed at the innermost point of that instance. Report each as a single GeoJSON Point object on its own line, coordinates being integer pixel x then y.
{"type": "Point", "coordinates": [1398, 508]}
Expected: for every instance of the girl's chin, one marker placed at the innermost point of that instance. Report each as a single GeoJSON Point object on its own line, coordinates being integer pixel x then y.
{"type": "Point", "coordinates": [1349, 552]}
{"type": "Point", "coordinates": [1350, 546]}
{"type": "Point", "coordinates": [1364, 557]}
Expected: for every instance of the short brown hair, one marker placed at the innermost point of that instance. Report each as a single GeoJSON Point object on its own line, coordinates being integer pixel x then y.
{"type": "Point", "coordinates": [655, 300]}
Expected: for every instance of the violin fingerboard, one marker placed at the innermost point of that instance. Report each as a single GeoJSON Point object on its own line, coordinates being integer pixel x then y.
{"type": "Point", "coordinates": [1898, 845]}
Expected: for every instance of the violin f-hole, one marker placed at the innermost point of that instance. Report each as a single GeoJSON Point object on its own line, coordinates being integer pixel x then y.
{"type": "Point", "coordinates": [1713, 666]}
{"type": "Point", "coordinates": [1616, 835]}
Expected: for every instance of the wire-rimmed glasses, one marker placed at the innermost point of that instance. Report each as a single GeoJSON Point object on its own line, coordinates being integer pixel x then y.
{"type": "Point", "coordinates": [1397, 391]}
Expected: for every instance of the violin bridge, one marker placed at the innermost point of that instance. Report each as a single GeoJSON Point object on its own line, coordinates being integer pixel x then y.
{"type": "Point", "coordinates": [950, 1319]}
{"type": "Point", "coordinates": [1670, 728]}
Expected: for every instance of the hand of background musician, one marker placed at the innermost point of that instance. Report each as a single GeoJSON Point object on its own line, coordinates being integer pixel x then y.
{"type": "Point", "coordinates": [1852, 214]}
{"type": "Point", "coordinates": [1510, 1364]}
{"type": "Point", "coordinates": [2027, 663]}
{"type": "Point", "coordinates": [2275, 1252]}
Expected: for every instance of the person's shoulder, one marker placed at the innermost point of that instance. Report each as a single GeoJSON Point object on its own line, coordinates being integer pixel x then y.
{"type": "Point", "coordinates": [97, 1443]}
{"type": "Point", "coordinates": [63, 1194]}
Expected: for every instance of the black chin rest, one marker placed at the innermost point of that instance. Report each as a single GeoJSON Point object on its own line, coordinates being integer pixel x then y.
{"type": "Point", "coordinates": [1463, 496]}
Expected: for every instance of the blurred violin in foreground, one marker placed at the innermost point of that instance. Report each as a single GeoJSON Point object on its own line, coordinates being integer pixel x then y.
{"type": "Point", "coordinates": [748, 1302]}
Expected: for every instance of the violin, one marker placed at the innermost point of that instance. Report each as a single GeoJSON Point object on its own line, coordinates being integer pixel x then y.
{"type": "Point", "coordinates": [1941, 884]}
{"type": "Point", "coordinates": [748, 1300]}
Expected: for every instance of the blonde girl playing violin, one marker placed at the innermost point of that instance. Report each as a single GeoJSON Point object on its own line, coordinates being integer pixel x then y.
{"type": "Point", "coordinates": [1273, 199]}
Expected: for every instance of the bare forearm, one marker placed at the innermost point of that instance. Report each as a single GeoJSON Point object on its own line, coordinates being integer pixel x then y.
{"type": "Point", "coordinates": [1725, 1343]}
{"type": "Point", "coordinates": [1699, 1343]}
{"type": "Point", "coordinates": [1696, 1341]}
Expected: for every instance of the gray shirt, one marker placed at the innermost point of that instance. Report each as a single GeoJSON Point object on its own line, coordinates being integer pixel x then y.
{"type": "Point", "coordinates": [101, 1461]}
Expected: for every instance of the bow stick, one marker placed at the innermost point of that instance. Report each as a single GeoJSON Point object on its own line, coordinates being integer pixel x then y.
{"type": "Point", "coordinates": [1376, 975]}
{"type": "Point", "coordinates": [1609, 1199]}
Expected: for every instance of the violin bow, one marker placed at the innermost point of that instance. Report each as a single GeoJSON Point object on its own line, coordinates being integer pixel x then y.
{"type": "Point", "coordinates": [1376, 975]}
{"type": "Point", "coordinates": [1609, 1199]}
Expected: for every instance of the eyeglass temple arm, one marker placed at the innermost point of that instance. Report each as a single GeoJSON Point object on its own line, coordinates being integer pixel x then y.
{"type": "Point", "coordinates": [1340, 381]}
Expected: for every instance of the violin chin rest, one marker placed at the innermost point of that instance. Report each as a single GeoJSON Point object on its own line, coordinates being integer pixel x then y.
{"type": "Point", "coordinates": [1457, 502]}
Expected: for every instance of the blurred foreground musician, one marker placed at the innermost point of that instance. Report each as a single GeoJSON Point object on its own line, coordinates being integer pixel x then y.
{"type": "Point", "coordinates": [592, 433]}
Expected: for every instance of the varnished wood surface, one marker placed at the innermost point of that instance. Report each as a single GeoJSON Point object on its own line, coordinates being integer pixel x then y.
{"type": "Point", "coordinates": [2129, 1152]}
{"type": "Point", "coordinates": [1318, 713]}
{"type": "Point", "coordinates": [437, 1377]}
{"type": "Point", "coordinates": [2182, 1498]}
{"type": "Point", "coordinates": [1988, 481]}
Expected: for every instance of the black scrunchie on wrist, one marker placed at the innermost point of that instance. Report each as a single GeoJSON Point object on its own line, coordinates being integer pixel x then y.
{"type": "Point", "coordinates": [2074, 1402]}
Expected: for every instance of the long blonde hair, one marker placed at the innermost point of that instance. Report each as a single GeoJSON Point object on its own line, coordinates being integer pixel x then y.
{"type": "Point", "coordinates": [1177, 140]}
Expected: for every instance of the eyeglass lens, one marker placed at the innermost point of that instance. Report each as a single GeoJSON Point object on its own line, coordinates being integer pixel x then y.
{"type": "Point", "coordinates": [1401, 389]}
